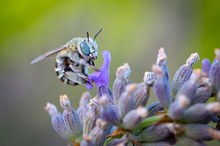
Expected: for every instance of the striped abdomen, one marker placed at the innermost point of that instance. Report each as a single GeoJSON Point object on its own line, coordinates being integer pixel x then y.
{"type": "Point", "coordinates": [65, 74]}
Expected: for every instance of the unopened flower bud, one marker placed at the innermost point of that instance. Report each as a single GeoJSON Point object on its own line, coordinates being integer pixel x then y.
{"type": "Point", "coordinates": [98, 134]}
{"type": "Point", "coordinates": [161, 62]}
{"type": "Point", "coordinates": [201, 132]}
{"type": "Point", "coordinates": [214, 73]}
{"type": "Point", "coordinates": [153, 108]}
{"type": "Point", "coordinates": [57, 121]}
{"type": "Point", "coordinates": [198, 113]}
{"type": "Point", "coordinates": [71, 119]}
{"type": "Point", "coordinates": [86, 96]}
{"type": "Point", "coordinates": [87, 141]}
{"type": "Point", "coordinates": [161, 57]}
{"type": "Point", "coordinates": [183, 73]}
{"type": "Point", "coordinates": [175, 128]}
{"type": "Point", "coordinates": [91, 116]}
{"type": "Point", "coordinates": [203, 91]}
{"type": "Point", "coordinates": [155, 133]}
{"type": "Point", "coordinates": [84, 107]}
{"type": "Point", "coordinates": [149, 78]}
{"type": "Point", "coordinates": [206, 65]}
{"type": "Point", "coordinates": [162, 88]}
{"type": "Point", "coordinates": [213, 107]}
{"type": "Point", "coordinates": [189, 87]}
{"type": "Point", "coordinates": [64, 101]}
{"type": "Point", "coordinates": [134, 117]}
{"type": "Point", "coordinates": [124, 72]}
{"type": "Point", "coordinates": [119, 141]}
{"type": "Point", "coordinates": [126, 101]}
{"type": "Point", "coordinates": [141, 94]}
{"type": "Point", "coordinates": [187, 141]}
{"type": "Point", "coordinates": [108, 112]}
{"type": "Point", "coordinates": [177, 108]}
{"type": "Point", "coordinates": [121, 81]}
{"type": "Point", "coordinates": [51, 109]}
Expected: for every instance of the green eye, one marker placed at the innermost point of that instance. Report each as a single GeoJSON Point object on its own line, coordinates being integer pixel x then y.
{"type": "Point", "coordinates": [85, 48]}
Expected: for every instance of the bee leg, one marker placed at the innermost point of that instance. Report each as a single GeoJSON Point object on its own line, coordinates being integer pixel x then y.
{"type": "Point", "coordinates": [81, 61]}
{"type": "Point", "coordinates": [72, 77]}
{"type": "Point", "coordinates": [94, 68]}
{"type": "Point", "coordinates": [77, 71]}
{"type": "Point", "coordinates": [83, 76]}
{"type": "Point", "coordinates": [92, 65]}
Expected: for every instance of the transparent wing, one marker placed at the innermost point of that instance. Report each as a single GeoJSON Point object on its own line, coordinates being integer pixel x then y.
{"type": "Point", "coordinates": [48, 54]}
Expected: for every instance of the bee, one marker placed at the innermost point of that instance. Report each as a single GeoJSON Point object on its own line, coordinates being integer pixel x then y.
{"type": "Point", "coordinates": [73, 59]}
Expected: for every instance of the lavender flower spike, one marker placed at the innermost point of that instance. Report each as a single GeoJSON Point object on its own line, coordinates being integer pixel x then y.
{"type": "Point", "coordinates": [101, 78]}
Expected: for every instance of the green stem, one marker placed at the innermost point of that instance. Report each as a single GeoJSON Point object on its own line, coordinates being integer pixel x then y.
{"type": "Point", "coordinates": [149, 121]}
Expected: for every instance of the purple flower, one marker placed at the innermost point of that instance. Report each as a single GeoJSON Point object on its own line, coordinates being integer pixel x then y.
{"type": "Point", "coordinates": [101, 77]}
{"type": "Point", "coordinates": [122, 118]}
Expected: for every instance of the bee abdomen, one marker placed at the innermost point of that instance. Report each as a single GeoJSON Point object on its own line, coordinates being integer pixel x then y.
{"type": "Point", "coordinates": [64, 79]}
{"type": "Point", "coordinates": [59, 69]}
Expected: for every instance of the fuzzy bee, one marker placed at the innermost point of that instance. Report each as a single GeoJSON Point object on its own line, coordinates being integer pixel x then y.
{"type": "Point", "coordinates": [73, 59]}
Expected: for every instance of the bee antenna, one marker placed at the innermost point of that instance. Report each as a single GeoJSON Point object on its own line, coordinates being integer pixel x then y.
{"type": "Point", "coordinates": [97, 34]}
{"type": "Point", "coordinates": [87, 33]}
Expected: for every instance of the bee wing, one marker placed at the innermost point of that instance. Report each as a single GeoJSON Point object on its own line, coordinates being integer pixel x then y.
{"type": "Point", "coordinates": [47, 54]}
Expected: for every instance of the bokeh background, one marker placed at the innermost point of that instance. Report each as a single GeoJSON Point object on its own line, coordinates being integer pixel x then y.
{"type": "Point", "coordinates": [132, 30]}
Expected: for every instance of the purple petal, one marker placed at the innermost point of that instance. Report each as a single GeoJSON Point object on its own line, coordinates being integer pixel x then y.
{"type": "Point", "coordinates": [101, 78]}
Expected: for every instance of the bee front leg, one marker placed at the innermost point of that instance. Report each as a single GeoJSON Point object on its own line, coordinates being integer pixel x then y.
{"type": "Point", "coordinates": [81, 61]}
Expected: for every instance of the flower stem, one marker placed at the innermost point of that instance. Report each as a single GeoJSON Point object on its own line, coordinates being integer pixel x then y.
{"type": "Point", "coordinates": [149, 121]}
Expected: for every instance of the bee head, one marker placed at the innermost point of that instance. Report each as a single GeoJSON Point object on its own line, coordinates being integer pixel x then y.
{"type": "Point", "coordinates": [88, 47]}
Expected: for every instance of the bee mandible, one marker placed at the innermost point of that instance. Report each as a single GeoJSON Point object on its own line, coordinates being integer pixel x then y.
{"type": "Point", "coordinates": [73, 59]}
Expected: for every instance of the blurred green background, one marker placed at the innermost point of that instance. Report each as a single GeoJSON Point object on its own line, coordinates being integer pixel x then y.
{"type": "Point", "coordinates": [132, 30]}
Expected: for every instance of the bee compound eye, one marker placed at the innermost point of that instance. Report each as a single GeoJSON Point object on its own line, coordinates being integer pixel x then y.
{"type": "Point", "coordinates": [85, 48]}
